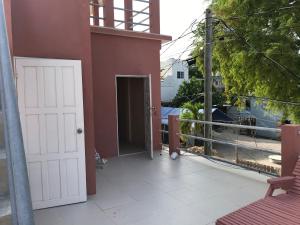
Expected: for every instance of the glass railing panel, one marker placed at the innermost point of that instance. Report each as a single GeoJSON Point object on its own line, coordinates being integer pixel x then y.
{"type": "Point", "coordinates": [248, 146]}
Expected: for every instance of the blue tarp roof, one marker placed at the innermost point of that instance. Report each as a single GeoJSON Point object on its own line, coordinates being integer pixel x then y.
{"type": "Point", "coordinates": [166, 111]}
{"type": "Point", "coordinates": [218, 115]}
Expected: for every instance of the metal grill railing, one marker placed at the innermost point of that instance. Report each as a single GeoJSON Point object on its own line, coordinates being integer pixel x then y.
{"type": "Point", "coordinates": [96, 14]}
{"type": "Point", "coordinates": [139, 19]}
{"type": "Point", "coordinates": [231, 144]}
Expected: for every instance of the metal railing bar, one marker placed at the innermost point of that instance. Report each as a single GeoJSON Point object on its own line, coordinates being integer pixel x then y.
{"type": "Point", "coordinates": [121, 9]}
{"type": "Point", "coordinates": [121, 22]}
{"type": "Point", "coordinates": [145, 1]}
{"type": "Point", "coordinates": [135, 24]}
{"type": "Point", "coordinates": [140, 11]}
{"type": "Point", "coordinates": [129, 10]}
{"type": "Point", "coordinates": [164, 131]}
{"type": "Point", "coordinates": [17, 170]}
{"type": "Point", "coordinates": [141, 22]}
{"type": "Point", "coordinates": [96, 17]}
{"type": "Point", "coordinates": [95, 4]}
{"type": "Point", "coordinates": [124, 9]}
{"type": "Point", "coordinates": [124, 22]}
{"type": "Point", "coordinates": [232, 125]}
{"type": "Point", "coordinates": [146, 29]}
{"type": "Point", "coordinates": [136, 12]}
{"type": "Point", "coordinates": [237, 165]}
{"type": "Point", "coordinates": [227, 143]}
{"type": "Point", "coordinates": [116, 26]}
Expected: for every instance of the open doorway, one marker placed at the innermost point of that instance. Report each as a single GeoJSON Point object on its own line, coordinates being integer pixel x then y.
{"type": "Point", "coordinates": [134, 114]}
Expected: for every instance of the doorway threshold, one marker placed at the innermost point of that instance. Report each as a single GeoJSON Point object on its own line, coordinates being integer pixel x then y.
{"type": "Point", "coordinates": [135, 153]}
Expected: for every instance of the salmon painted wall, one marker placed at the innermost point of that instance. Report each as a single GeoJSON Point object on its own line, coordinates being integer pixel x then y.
{"type": "Point", "coordinates": [290, 148]}
{"type": "Point", "coordinates": [117, 55]}
{"type": "Point", "coordinates": [7, 10]}
{"type": "Point", "coordinates": [59, 29]}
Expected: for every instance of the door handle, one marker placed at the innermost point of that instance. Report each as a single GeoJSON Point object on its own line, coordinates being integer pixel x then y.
{"type": "Point", "coordinates": [153, 109]}
{"type": "Point", "coordinates": [79, 131]}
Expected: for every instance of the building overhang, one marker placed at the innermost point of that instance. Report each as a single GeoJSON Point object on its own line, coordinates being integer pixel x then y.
{"type": "Point", "coordinates": [130, 34]}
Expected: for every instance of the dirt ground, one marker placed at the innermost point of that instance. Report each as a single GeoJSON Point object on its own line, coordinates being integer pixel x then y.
{"type": "Point", "coordinates": [254, 149]}
{"type": "Point", "coordinates": [254, 142]}
{"type": "Point", "coordinates": [263, 148]}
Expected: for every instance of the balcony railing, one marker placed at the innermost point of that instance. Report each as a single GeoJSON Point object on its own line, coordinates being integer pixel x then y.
{"type": "Point", "coordinates": [236, 144]}
{"type": "Point", "coordinates": [132, 15]}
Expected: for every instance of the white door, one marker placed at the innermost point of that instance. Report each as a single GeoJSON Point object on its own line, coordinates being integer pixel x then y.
{"type": "Point", "coordinates": [51, 111]}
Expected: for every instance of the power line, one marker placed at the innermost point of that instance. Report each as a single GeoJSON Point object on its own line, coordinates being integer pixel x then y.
{"type": "Point", "coordinates": [179, 58]}
{"type": "Point", "coordinates": [177, 53]}
{"type": "Point", "coordinates": [184, 34]}
{"type": "Point", "coordinates": [180, 37]}
{"type": "Point", "coordinates": [271, 100]}
{"type": "Point", "coordinates": [257, 52]}
{"type": "Point", "coordinates": [192, 98]}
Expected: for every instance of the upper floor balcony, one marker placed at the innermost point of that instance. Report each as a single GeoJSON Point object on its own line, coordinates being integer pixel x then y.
{"type": "Point", "coordinates": [130, 15]}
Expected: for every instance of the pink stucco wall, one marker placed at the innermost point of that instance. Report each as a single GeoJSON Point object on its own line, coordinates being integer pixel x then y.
{"type": "Point", "coordinates": [7, 10]}
{"type": "Point", "coordinates": [120, 55]}
{"type": "Point", "coordinates": [290, 150]}
{"type": "Point", "coordinates": [59, 29]}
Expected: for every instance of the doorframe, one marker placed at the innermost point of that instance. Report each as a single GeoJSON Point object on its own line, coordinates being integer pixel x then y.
{"type": "Point", "coordinates": [117, 110]}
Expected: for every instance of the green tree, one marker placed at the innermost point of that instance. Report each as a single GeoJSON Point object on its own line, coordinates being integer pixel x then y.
{"type": "Point", "coordinates": [194, 72]}
{"type": "Point", "coordinates": [256, 49]}
{"type": "Point", "coordinates": [192, 91]}
{"type": "Point", "coordinates": [189, 91]}
{"type": "Point", "coordinates": [191, 111]}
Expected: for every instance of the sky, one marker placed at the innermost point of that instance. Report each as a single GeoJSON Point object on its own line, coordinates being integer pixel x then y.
{"type": "Point", "coordinates": [176, 16]}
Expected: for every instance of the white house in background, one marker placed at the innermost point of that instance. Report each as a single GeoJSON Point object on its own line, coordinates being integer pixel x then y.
{"type": "Point", "coordinates": [173, 73]}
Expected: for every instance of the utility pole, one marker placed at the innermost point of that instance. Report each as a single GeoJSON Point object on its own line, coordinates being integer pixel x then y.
{"type": "Point", "coordinates": [208, 80]}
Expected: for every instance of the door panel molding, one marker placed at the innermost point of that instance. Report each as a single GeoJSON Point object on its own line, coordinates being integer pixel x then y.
{"type": "Point", "coordinates": [50, 99]}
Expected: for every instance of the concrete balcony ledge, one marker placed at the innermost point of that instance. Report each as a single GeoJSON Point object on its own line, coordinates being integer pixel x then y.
{"type": "Point", "coordinates": [130, 34]}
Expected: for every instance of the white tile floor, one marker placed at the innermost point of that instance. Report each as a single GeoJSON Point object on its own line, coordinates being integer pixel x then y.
{"type": "Point", "coordinates": [133, 190]}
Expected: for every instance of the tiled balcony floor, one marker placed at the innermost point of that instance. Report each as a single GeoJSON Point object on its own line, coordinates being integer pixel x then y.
{"type": "Point", "coordinates": [133, 190]}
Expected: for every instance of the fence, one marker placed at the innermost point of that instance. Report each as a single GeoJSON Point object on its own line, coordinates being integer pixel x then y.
{"type": "Point", "coordinates": [134, 15]}
{"type": "Point", "coordinates": [229, 143]}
